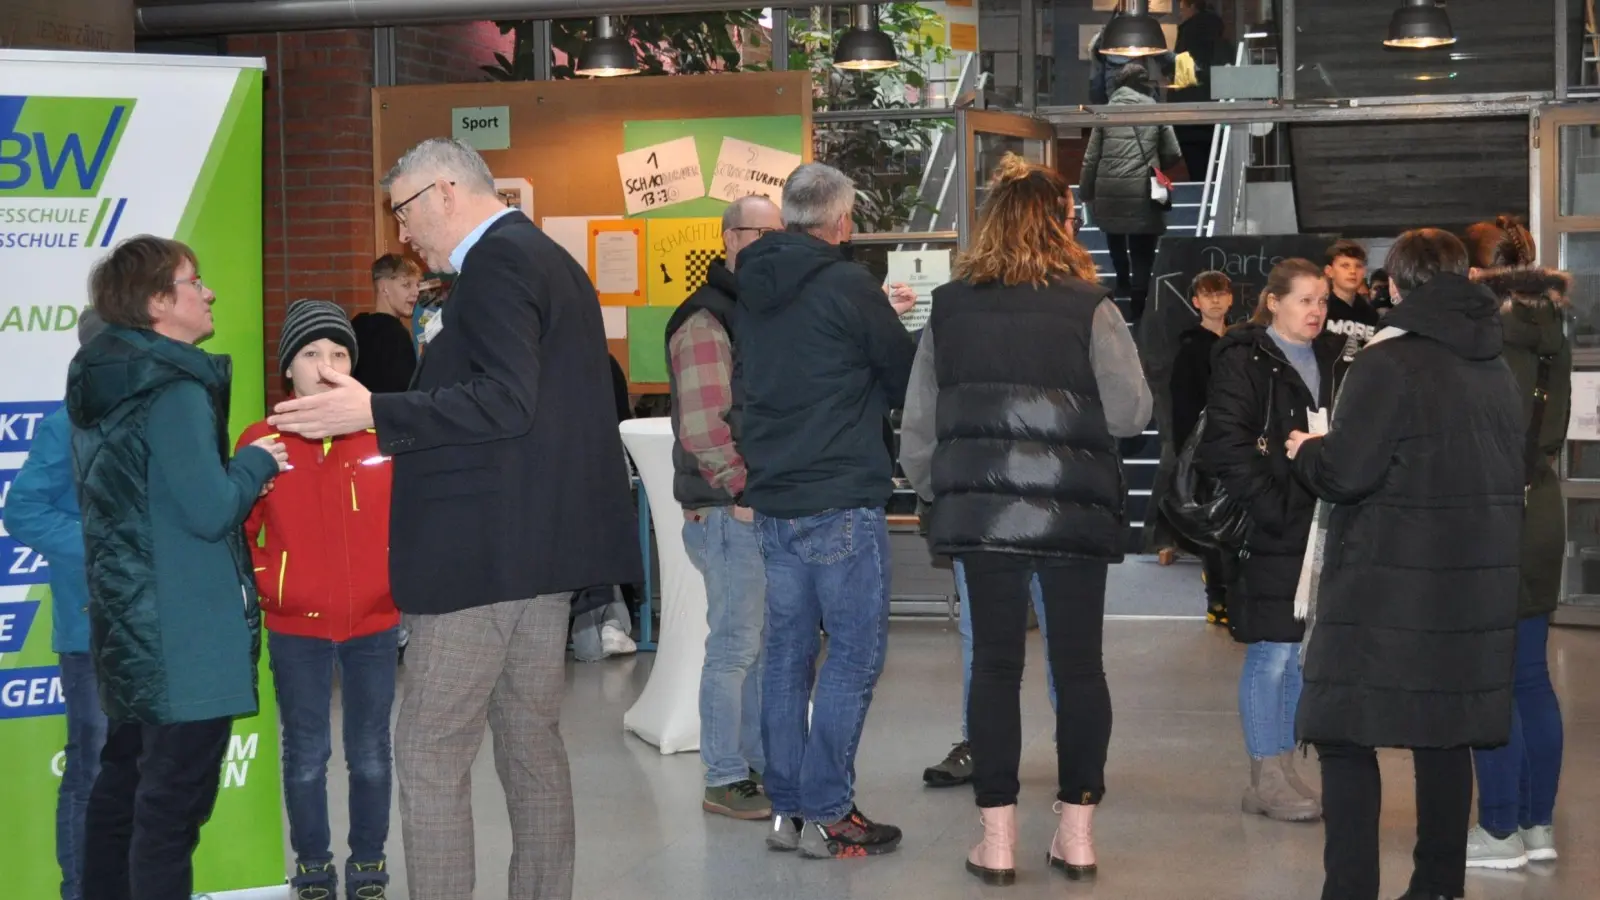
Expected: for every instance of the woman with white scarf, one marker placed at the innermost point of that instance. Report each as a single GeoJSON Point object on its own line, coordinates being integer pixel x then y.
{"type": "Point", "coordinates": [1410, 587]}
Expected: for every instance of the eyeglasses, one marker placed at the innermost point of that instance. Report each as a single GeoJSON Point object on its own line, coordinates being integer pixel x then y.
{"type": "Point", "coordinates": [399, 209]}
{"type": "Point", "coordinates": [195, 281]}
{"type": "Point", "coordinates": [759, 231]}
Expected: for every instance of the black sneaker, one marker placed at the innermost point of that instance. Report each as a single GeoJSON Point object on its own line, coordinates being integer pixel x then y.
{"type": "Point", "coordinates": [314, 882]}
{"type": "Point", "coordinates": [367, 881]}
{"type": "Point", "coordinates": [851, 837]}
{"type": "Point", "coordinates": [955, 770]}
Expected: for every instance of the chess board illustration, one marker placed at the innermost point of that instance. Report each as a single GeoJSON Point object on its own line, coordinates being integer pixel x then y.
{"type": "Point", "coordinates": [681, 251]}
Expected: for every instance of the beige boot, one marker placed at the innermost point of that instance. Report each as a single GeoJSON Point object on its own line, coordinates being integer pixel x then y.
{"type": "Point", "coordinates": [1298, 783]}
{"type": "Point", "coordinates": [1270, 795]}
{"type": "Point", "coordinates": [1072, 850]}
{"type": "Point", "coordinates": [995, 858]}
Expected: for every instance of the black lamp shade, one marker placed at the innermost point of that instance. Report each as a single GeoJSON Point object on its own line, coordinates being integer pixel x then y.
{"type": "Point", "coordinates": [864, 50]}
{"type": "Point", "coordinates": [607, 54]}
{"type": "Point", "coordinates": [1418, 25]}
{"type": "Point", "coordinates": [1133, 35]}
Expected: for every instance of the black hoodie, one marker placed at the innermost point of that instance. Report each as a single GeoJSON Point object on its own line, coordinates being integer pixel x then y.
{"type": "Point", "coordinates": [823, 359]}
{"type": "Point", "coordinates": [1416, 614]}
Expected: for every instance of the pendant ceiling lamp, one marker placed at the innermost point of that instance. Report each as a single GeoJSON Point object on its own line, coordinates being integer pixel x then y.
{"type": "Point", "coordinates": [864, 48]}
{"type": "Point", "coordinates": [1134, 33]}
{"type": "Point", "coordinates": [1418, 25]}
{"type": "Point", "coordinates": [607, 54]}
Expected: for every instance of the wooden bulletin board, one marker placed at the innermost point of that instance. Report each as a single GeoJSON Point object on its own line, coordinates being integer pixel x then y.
{"type": "Point", "coordinates": [565, 136]}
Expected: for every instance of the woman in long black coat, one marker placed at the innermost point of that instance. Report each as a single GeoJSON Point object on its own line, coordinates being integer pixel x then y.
{"type": "Point", "coordinates": [1412, 593]}
{"type": "Point", "coordinates": [1268, 376]}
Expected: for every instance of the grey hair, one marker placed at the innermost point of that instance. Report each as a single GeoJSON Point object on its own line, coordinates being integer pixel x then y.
{"type": "Point", "coordinates": [816, 196]}
{"type": "Point", "coordinates": [446, 157]}
{"type": "Point", "coordinates": [734, 215]}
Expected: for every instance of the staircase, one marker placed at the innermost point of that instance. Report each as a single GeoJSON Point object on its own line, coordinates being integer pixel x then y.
{"type": "Point", "coordinates": [1142, 455]}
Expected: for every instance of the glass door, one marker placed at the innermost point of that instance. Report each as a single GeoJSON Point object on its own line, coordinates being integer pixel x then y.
{"type": "Point", "coordinates": [1566, 167]}
{"type": "Point", "coordinates": [986, 138]}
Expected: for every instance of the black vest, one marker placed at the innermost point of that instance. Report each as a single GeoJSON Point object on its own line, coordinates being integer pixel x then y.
{"type": "Point", "coordinates": [1025, 463]}
{"type": "Point", "coordinates": [717, 296]}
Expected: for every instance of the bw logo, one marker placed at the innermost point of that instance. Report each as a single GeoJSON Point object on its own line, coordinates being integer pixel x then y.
{"type": "Point", "coordinates": [59, 147]}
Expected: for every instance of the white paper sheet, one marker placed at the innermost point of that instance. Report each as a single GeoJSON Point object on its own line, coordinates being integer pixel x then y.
{"type": "Point", "coordinates": [1585, 422]}
{"type": "Point", "coordinates": [616, 262]}
{"type": "Point", "coordinates": [616, 319]}
{"type": "Point", "coordinates": [661, 175]}
{"type": "Point", "coordinates": [922, 270]}
{"type": "Point", "coordinates": [745, 169]}
{"type": "Point", "coordinates": [572, 233]}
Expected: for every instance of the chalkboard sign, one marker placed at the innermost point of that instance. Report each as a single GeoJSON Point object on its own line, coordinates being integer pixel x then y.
{"type": "Point", "coordinates": [1246, 259]}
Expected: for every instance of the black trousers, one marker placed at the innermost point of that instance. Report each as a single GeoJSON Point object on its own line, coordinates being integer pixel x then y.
{"type": "Point", "coordinates": [1133, 256]}
{"type": "Point", "coordinates": [157, 786]}
{"type": "Point", "coordinates": [998, 586]}
{"type": "Point", "coordinates": [1352, 799]}
{"type": "Point", "coordinates": [1221, 568]}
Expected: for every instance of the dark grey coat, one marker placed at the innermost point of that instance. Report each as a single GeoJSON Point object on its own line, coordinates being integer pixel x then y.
{"type": "Point", "coordinates": [1116, 172]}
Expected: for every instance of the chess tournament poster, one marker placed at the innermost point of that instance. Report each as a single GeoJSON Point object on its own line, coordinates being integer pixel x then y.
{"type": "Point", "coordinates": [677, 254]}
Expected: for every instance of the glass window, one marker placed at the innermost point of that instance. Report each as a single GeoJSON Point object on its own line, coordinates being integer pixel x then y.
{"type": "Point", "coordinates": [1583, 551]}
{"type": "Point", "coordinates": [1500, 46]}
{"type": "Point", "coordinates": [902, 169]}
{"type": "Point", "coordinates": [1580, 255]}
{"type": "Point", "coordinates": [1580, 170]}
{"type": "Point", "coordinates": [1583, 45]}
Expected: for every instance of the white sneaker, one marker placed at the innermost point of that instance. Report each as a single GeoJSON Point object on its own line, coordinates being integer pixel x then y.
{"type": "Point", "coordinates": [1485, 852]}
{"type": "Point", "coordinates": [1540, 842]}
{"type": "Point", "coordinates": [615, 642]}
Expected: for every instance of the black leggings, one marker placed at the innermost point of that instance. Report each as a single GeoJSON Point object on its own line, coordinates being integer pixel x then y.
{"type": "Point", "coordinates": [1352, 798]}
{"type": "Point", "coordinates": [1133, 256]}
{"type": "Point", "coordinates": [1074, 608]}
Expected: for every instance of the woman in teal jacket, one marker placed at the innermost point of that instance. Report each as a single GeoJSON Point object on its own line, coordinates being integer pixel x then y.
{"type": "Point", "coordinates": [41, 511]}
{"type": "Point", "coordinates": [174, 623]}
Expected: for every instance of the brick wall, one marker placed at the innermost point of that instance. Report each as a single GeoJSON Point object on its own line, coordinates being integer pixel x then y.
{"type": "Point", "coordinates": [318, 183]}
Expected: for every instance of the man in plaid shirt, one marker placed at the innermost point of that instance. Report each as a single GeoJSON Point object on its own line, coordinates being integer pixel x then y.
{"type": "Point", "coordinates": [718, 530]}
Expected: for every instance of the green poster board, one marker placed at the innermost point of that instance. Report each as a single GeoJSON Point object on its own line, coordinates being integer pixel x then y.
{"type": "Point", "coordinates": [787, 133]}
{"type": "Point", "coordinates": [647, 343]}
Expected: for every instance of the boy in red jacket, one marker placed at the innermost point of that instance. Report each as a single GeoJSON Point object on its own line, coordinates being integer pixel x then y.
{"type": "Point", "coordinates": [323, 576]}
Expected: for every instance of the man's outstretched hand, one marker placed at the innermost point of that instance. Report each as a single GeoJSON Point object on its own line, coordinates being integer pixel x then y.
{"type": "Point", "coordinates": [903, 297]}
{"type": "Point", "coordinates": [345, 409]}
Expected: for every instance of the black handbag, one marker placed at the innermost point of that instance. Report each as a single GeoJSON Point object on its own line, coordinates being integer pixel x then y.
{"type": "Point", "coordinates": [1197, 505]}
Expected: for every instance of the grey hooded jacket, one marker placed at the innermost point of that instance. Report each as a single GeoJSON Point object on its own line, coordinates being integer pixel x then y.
{"type": "Point", "coordinates": [1116, 172]}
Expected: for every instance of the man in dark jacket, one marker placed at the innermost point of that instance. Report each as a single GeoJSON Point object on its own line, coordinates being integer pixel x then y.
{"type": "Point", "coordinates": [387, 357]}
{"type": "Point", "coordinates": [718, 532]}
{"type": "Point", "coordinates": [1413, 598]}
{"type": "Point", "coordinates": [174, 624]}
{"type": "Point", "coordinates": [823, 361]}
{"type": "Point", "coordinates": [508, 499]}
{"type": "Point", "coordinates": [1203, 36]}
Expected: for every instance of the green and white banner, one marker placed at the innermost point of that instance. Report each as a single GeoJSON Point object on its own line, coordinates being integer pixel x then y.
{"type": "Point", "coordinates": [93, 148]}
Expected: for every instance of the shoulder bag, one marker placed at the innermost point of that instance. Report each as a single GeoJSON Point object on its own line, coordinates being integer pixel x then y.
{"type": "Point", "coordinates": [1197, 505]}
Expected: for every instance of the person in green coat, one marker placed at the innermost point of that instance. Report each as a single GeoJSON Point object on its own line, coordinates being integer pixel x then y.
{"type": "Point", "coordinates": [174, 625]}
{"type": "Point", "coordinates": [1517, 783]}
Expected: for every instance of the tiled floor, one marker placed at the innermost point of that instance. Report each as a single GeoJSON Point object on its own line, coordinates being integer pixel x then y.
{"type": "Point", "coordinates": [1170, 826]}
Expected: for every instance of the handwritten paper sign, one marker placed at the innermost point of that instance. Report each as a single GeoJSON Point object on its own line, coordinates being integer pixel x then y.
{"type": "Point", "coordinates": [922, 270]}
{"type": "Point", "coordinates": [661, 175]}
{"type": "Point", "coordinates": [744, 169]}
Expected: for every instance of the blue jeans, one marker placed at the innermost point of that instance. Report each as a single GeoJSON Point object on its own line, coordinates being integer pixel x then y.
{"type": "Point", "coordinates": [728, 553]}
{"type": "Point", "coordinates": [824, 571]}
{"type": "Point", "coordinates": [86, 734]}
{"type": "Point", "coordinates": [965, 627]}
{"type": "Point", "coordinates": [1517, 782]}
{"type": "Point", "coordinates": [1269, 694]}
{"type": "Point", "coordinates": [302, 670]}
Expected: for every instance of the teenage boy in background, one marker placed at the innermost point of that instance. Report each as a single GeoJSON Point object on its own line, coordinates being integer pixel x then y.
{"type": "Point", "coordinates": [388, 356]}
{"type": "Point", "coordinates": [41, 512]}
{"type": "Point", "coordinates": [1212, 296]}
{"type": "Point", "coordinates": [323, 576]}
{"type": "Point", "coordinates": [1349, 312]}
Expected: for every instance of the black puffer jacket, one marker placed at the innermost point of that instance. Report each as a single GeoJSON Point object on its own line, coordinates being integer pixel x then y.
{"type": "Point", "coordinates": [1248, 371]}
{"type": "Point", "coordinates": [1415, 623]}
{"type": "Point", "coordinates": [1533, 313]}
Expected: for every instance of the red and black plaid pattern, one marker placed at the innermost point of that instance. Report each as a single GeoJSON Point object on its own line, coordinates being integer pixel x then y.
{"type": "Point", "coordinates": [702, 367]}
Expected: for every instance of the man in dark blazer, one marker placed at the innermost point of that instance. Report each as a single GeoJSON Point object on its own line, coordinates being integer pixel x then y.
{"type": "Point", "coordinates": [507, 501]}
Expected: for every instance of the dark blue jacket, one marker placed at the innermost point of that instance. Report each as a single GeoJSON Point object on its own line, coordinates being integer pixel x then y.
{"type": "Point", "coordinates": [42, 512]}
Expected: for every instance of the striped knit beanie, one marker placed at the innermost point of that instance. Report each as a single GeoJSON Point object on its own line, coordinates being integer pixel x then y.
{"type": "Point", "coordinates": [310, 320]}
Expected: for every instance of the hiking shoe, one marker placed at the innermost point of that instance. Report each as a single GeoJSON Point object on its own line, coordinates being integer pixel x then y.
{"type": "Point", "coordinates": [1217, 614]}
{"type": "Point", "coordinates": [760, 782]}
{"type": "Point", "coordinates": [1485, 851]}
{"type": "Point", "coordinates": [314, 882]}
{"type": "Point", "coordinates": [740, 800]}
{"type": "Point", "coordinates": [784, 835]}
{"type": "Point", "coordinates": [366, 881]}
{"type": "Point", "coordinates": [955, 770]}
{"type": "Point", "coordinates": [853, 836]}
{"type": "Point", "coordinates": [1540, 842]}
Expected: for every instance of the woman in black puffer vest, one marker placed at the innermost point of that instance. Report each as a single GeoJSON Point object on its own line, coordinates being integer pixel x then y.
{"type": "Point", "coordinates": [1011, 429]}
{"type": "Point", "coordinates": [1267, 377]}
